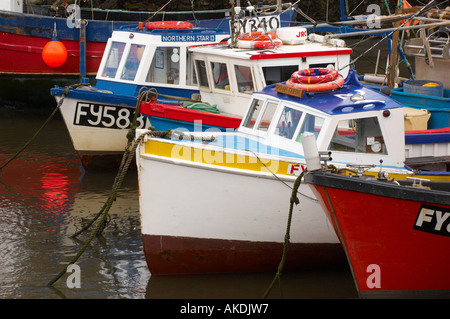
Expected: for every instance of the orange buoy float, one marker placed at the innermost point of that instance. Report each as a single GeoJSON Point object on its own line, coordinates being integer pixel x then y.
{"type": "Point", "coordinates": [258, 40]}
{"type": "Point", "coordinates": [159, 25]}
{"type": "Point", "coordinates": [54, 53]}
{"type": "Point", "coordinates": [316, 80]}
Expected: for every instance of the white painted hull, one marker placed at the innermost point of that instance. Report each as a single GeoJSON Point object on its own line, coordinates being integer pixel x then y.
{"type": "Point", "coordinates": [97, 147]}
{"type": "Point", "coordinates": [190, 210]}
{"type": "Point", "coordinates": [236, 206]}
{"type": "Point", "coordinates": [89, 138]}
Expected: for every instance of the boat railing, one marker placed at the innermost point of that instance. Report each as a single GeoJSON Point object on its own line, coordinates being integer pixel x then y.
{"type": "Point", "coordinates": [136, 27]}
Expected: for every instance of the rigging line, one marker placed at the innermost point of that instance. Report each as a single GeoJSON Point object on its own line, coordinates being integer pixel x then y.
{"type": "Point", "coordinates": [158, 11]}
{"type": "Point", "coordinates": [193, 12]}
{"type": "Point", "coordinates": [290, 6]}
{"type": "Point", "coordinates": [304, 15]}
{"type": "Point", "coordinates": [260, 24]}
{"type": "Point", "coordinates": [350, 14]}
{"type": "Point", "coordinates": [279, 179]}
{"type": "Point", "coordinates": [425, 8]}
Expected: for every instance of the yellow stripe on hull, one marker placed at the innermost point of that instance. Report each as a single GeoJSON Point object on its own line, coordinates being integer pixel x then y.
{"type": "Point", "coordinates": [177, 151]}
{"type": "Point", "coordinates": [214, 157]}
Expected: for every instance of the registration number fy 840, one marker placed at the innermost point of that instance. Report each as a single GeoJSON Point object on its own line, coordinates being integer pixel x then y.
{"type": "Point", "coordinates": [107, 116]}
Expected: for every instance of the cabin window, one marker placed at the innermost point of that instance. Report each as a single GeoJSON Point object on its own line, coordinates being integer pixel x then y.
{"type": "Point", "coordinates": [288, 122]}
{"type": "Point", "coordinates": [165, 67]}
{"type": "Point", "coordinates": [202, 76]}
{"type": "Point", "coordinates": [312, 124]}
{"type": "Point", "coordinates": [267, 116]}
{"type": "Point", "coordinates": [220, 75]}
{"type": "Point", "coordinates": [244, 79]}
{"type": "Point", "coordinates": [253, 114]}
{"type": "Point", "coordinates": [133, 61]}
{"type": "Point", "coordinates": [191, 79]}
{"type": "Point", "coordinates": [358, 135]}
{"type": "Point", "coordinates": [277, 74]}
{"type": "Point", "coordinates": [113, 60]}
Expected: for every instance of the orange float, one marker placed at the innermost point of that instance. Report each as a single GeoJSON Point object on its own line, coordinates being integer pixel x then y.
{"type": "Point", "coordinates": [316, 80]}
{"type": "Point", "coordinates": [258, 40]}
{"type": "Point", "coordinates": [159, 25]}
{"type": "Point", "coordinates": [54, 53]}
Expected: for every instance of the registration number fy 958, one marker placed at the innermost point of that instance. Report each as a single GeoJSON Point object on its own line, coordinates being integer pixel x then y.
{"type": "Point", "coordinates": [107, 116]}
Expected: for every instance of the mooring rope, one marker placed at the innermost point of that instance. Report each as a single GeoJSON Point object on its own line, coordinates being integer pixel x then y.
{"type": "Point", "coordinates": [123, 168]}
{"type": "Point", "coordinates": [294, 200]}
{"type": "Point", "coordinates": [103, 214]}
{"type": "Point", "coordinates": [128, 156]}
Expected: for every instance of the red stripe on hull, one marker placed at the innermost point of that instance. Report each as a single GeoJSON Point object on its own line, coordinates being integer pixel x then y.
{"type": "Point", "coordinates": [21, 54]}
{"type": "Point", "coordinates": [169, 255]}
{"type": "Point", "coordinates": [378, 231]}
{"type": "Point", "coordinates": [178, 113]}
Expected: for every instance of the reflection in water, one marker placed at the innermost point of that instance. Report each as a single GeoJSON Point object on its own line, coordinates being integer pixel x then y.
{"type": "Point", "coordinates": [322, 284]}
{"type": "Point", "coordinates": [44, 198]}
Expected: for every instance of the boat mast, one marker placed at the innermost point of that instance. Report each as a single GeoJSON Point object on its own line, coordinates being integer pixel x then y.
{"type": "Point", "coordinates": [232, 24]}
{"type": "Point", "coordinates": [392, 70]}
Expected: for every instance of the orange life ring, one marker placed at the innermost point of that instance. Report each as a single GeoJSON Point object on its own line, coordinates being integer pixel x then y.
{"type": "Point", "coordinates": [314, 75]}
{"type": "Point", "coordinates": [158, 25]}
{"type": "Point", "coordinates": [322, 80]}
{"type": "Point", "coordinates": [258, 40]}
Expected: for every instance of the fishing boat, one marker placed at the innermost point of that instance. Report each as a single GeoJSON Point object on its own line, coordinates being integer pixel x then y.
{"type": "Point", "coordinates": [98, 117]}
{"type": "Point", "coordinates": [430, 88]}
{"type": "Point", "coordinates": [396, 237]}
{"type": "Point", "coordinates": [167, 67]}
{"type": "Point", "coordinates": [26, 30]}
{"type": "Point", "coordinates": [228, 74]}
{"type": "Point", "coordinates": [85, 33]}
{"type": "Point", "coordinates": [233, 189]}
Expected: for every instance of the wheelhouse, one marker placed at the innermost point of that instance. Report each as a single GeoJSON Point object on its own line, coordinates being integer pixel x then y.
{"type": "Point", "coordinates": [157, 58]}
{"type": "Point", "coordinates": [228, 76]}
{"type": "Point", "coordinates": [351, 125]}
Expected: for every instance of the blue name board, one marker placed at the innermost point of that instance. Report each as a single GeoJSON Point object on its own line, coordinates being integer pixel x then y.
{"type": "Point", "coordinates": [188, 38]}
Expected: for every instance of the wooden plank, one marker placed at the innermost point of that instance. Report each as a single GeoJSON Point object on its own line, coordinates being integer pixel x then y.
{"type": "Point", "coordinates": [393, 58]}
{"type": "Point", "coordinates": [281, 88]}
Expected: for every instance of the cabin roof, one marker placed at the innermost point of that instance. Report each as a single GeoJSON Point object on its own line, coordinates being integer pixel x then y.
{"type": "Point", "coordinates": [340, 101]}
{"type": "Point", "coordinates": [283, 51]}
{"type": "Point", "coordinates": [187, 36]}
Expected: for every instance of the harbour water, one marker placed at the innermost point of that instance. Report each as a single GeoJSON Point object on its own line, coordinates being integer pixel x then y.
{"type": "Point", "coordinates": [45, 197]}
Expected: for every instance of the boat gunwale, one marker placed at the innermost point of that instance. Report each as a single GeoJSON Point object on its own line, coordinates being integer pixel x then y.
{"type": "Point", "coordinates": [379, 188]}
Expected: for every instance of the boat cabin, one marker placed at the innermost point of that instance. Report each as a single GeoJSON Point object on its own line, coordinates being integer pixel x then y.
{"type": "Point", "coordinates": [137, 57]}
{"type": "Point", "coordinates": [357, 124]}
{"type": "Point", "coordinates": [228, 76]}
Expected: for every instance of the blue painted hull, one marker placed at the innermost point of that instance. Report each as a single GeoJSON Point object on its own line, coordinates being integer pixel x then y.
{"type": "Point", "coordinates": [35, 30]}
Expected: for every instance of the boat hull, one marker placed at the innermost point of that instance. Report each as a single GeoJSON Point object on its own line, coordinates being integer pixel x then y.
{"type": "Point", "coordinates": [173, 255]}
{"type": "Point", "coordinates": [225, 220]}
{"type": "Point", "coordinates": [393, 243]}
{"type": "Point", "coordinates": [23, 36]}
{"type": "Point", "coordinates": [98, 146]}
{"type": "Point", "coordinates": [98, 127]}
{"type": "Point", "coordinates": [28, 50]}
